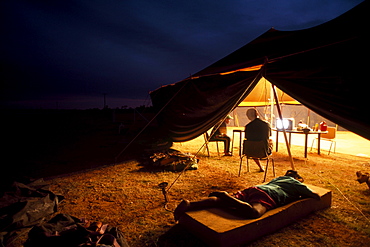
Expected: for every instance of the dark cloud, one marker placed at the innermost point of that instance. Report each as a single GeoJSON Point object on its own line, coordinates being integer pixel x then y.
{"type": "Point", "coordinates": [68, 50]}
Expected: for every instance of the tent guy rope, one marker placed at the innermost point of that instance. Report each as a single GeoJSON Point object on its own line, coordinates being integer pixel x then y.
{"type": "Point", "coordinates": [344, 196]}
{"type": "Point", "coordinates": [146, 126]}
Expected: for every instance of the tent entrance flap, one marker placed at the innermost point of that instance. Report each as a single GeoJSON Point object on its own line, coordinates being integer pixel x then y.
{"type": "Point", "coordinates": [202, 103]}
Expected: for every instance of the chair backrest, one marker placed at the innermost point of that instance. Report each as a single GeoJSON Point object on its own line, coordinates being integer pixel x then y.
{"type": "Point", "coordinates": [332, 132]}
{"type": "Point", "coordinates": [256, 149]}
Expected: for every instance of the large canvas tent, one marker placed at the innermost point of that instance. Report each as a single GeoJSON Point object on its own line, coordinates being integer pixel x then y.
{"type": "Point", "coordinates": [323, 67]}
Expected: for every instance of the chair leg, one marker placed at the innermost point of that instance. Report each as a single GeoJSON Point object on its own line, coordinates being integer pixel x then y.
{"type": "Point", "coordinates": [331, 144]}
{"type": "Point", "coordinates": [207, 149]}
{"type": "Point", "coordinates": [206, 143]}
{"type": "Point", "coordinates": [248, 170]}
{"type": "Point", "coordinates": [313, 141]}
{"type": "Point", "coordinates": [266, 168]}
{"type": "Point", "coordinates": [218, 151]}
{"type": "Point", "coordinates": [240, 165]}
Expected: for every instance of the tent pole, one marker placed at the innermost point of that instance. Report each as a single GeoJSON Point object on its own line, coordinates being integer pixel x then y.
{"type": "Point", "coordinates": [284, 132]}
{"type": "Point", "coordinates": [272, 104]}
{"type": "Point", "coordinates": [308, 117]}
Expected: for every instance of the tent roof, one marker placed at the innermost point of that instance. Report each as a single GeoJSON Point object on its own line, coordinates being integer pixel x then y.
{"type": "Point", "coordinates": [323, 67]}
{"type": "Point", "coordinates": [274, 44]}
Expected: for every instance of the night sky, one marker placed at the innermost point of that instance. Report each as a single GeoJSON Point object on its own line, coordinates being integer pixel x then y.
{"type": "Point", "coordinates": [68, 54]}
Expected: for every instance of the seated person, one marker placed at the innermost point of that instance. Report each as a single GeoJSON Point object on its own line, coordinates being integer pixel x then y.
{"type": "Point", "coordinates": [220, 134]}
{"type": "Point", "coordinates": [254, 201]}
{"type": "Point", "coordinates": [258, 130]}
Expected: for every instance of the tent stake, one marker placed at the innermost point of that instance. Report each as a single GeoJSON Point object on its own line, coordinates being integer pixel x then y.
{"type": "Point", "coordinates": [284, 132]}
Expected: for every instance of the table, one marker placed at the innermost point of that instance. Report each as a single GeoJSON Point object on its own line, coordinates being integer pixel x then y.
{"type": "Point", "coordinates": [241, 133]}
{"type": "Point", "coordinates": [290, 132]}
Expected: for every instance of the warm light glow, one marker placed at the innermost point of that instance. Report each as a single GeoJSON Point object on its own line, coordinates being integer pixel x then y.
{"type": "Point", "coordinates": [252, 68]}
{"type": "Point", "coordinates": [284, 123]}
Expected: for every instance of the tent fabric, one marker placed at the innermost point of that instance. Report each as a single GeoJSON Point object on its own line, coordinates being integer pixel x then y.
{"type": "Point", "coordinates": [197, 104]}
{"type": "Point", "coordinates": [261, 95]}
{"type": "Point", "coordinates": [24, 205]}
{"type": "Point", "coordinates": [337, 92]}
{"type": "Point", "coordinates": [322, 67]}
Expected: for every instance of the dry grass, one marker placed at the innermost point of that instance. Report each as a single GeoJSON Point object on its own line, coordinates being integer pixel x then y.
{"type": "Point", "coordinates": [127, 195]}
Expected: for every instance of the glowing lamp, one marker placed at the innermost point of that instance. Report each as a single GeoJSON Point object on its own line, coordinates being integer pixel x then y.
{"type": "Point", "coordinates": [285, 123]}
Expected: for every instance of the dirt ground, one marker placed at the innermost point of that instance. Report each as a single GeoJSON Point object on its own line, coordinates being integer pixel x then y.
{"type": "Point", "coordinates": [124, 191]}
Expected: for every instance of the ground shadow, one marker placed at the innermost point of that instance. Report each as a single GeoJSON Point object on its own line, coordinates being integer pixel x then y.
{"type": "Point", "coordinates": [178, 236]}
{"type": "Point", "coordinates": [365, 192]}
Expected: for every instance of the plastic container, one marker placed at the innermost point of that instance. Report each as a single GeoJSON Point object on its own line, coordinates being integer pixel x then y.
{"type": "Point", "coordinates": [323, 126]}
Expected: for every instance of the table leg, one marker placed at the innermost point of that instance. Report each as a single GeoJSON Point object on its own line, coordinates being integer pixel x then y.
{"type": "Point", "coordinates": [240, 144]}
{"type": "Point", "coordinates": [305, 145]}
{"type": "Point", "coordinates": [318, 142]}
{"type": "Point", "coordinates": [277, 140]}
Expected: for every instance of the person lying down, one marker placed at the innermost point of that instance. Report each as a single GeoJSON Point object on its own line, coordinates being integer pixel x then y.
{"type": "Point", "coordinates": [253, 202]}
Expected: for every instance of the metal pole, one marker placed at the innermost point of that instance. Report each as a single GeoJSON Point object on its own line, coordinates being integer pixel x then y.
{"type": "Point", "coordinates": [284, 132]}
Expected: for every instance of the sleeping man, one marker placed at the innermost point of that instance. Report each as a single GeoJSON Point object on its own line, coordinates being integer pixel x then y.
{"type": "Point", "coordinates": [254, 201]}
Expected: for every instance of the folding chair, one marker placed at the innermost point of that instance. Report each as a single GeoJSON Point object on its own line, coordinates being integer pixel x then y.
{"type": "Point", "coordinates": [257, 150]}
{"type": "Point", "coordinates": [330, 136]}
{"type": "Point", "coordinates": [207, 140]}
